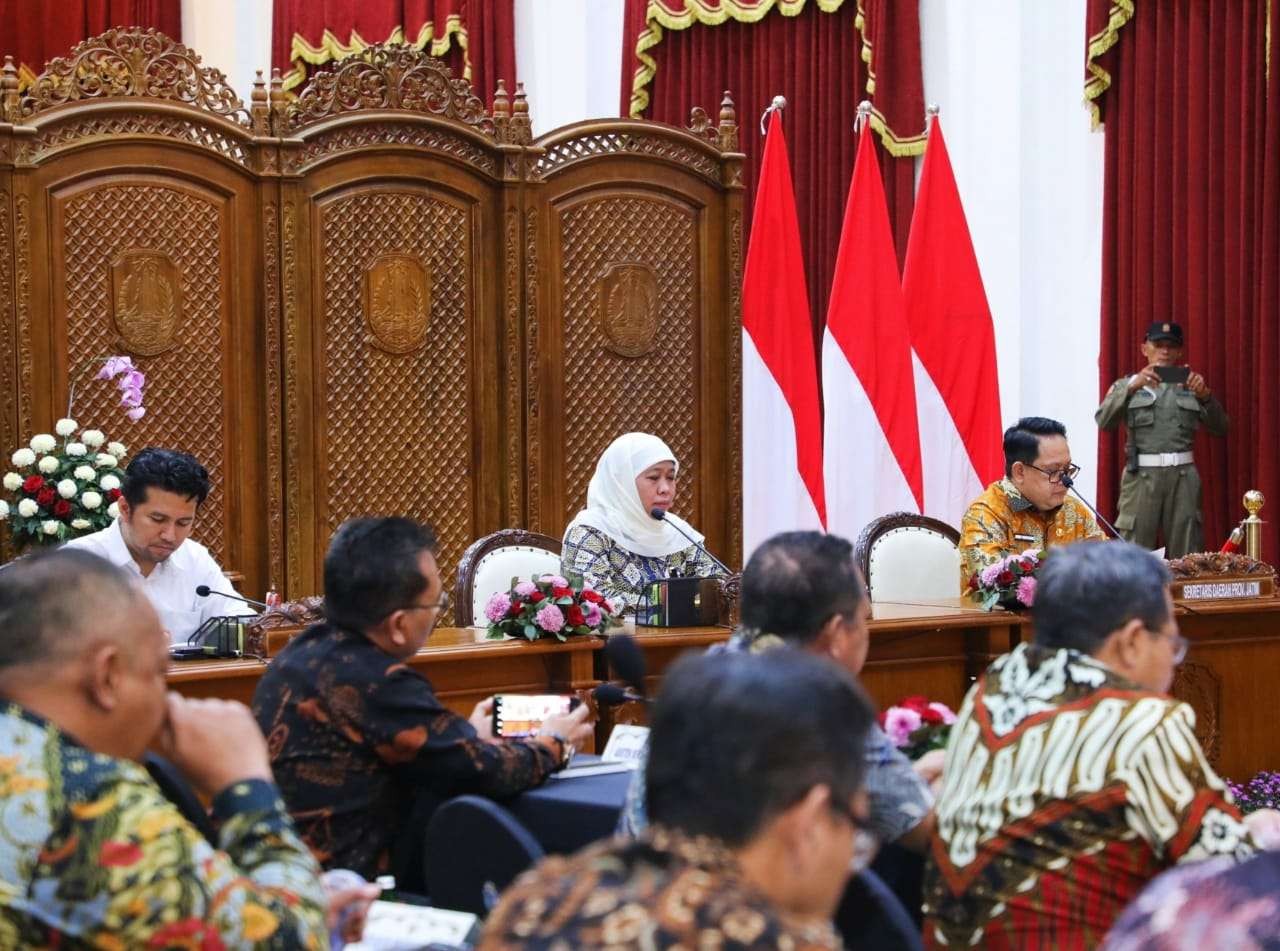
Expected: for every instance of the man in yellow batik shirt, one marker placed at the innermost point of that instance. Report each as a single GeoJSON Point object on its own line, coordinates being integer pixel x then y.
{"type": "Point", "coordinates": [1027, 510]}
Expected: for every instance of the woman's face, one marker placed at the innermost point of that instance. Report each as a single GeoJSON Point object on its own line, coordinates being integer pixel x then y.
{"type": "Point", "coordinates": [657, 486]}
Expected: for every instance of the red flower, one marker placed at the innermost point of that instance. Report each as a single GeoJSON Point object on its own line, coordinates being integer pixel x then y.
{"type": "Point", "coordinates": [931, 716]}
{"type": "Point", "coordinates": [915, 702]}
{"type": "Point", "coordinates": [536, 597]}
{"type": "Point", "coordinates": [516, 608]}
{"type": "Point", "coordinates": [573, 614]}
{"type": "Point", "coordinates": [32, 484]}
{"type": "Point", "coordinates": [1027, 565]}
{"type": "Point", "coordinates": [61, 508]}
{"type": "Point", "coordinates": [119, 853]}
{"type": "Point", "coordinates": [559, 592]}
{"type": "Point", "coordinates": [113, 495]}
{"type": "Point", "coordinates": [973, 581]}
{"type": "Point", "coordinates": [593, 597]}
{"type": "Point", "coordinates": [1005, 577]}
{"type": "Point", "coordinates": [45, 497]}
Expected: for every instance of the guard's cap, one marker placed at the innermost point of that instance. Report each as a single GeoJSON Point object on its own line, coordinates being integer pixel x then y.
{"type": "Point", "coordinates": [1165, 330]}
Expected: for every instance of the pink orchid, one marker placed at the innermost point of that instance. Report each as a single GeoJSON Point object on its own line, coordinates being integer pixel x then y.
{"type": "Point", "coordinates": [136, 413]}
{"type": "Point", "coordinates": [113, 366]}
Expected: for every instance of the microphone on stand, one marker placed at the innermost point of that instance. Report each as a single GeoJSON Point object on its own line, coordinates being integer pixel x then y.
{"type": "Point", "coordinates": [661, 516]}
{"type": "Point", "coordinates": [612, 695]}
{"type": "Point", "coordinates": [1070, 484]}
{"type": "Point", "coordinates": [627, 659]}
{"type": "Point", "coordinates": [204, 591]}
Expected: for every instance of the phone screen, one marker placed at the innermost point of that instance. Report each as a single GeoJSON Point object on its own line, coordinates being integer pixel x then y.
{"type": "Point", "coordinates": [1173, 374]}
{"type": "Point", "coordinates": [517, 714]}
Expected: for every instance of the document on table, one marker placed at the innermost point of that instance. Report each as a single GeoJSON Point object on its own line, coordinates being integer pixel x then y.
{"type": "Point", "coordinates": [393, 926]}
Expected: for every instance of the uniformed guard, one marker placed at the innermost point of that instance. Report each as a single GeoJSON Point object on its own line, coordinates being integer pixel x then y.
{"type": "Point", "coordinates": [1162, 405]}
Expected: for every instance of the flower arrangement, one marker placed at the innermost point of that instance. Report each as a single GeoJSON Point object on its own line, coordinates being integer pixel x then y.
{"type": "Point", "coordinates": [1009, 582]}
{"type": "Point", "coordinates": [548, 606]}
{"type": "Point", "coordinates": [1261, 792]}
{"type": "Point", "coordinates": [917, 725]}
{"type": "Point", "coordinates": [66, 485]}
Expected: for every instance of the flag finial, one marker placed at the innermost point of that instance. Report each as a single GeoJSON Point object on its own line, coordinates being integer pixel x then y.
{"type": "Point", "coordinates": [779, 103]}
{"type": "Point", "coordinates": [930, 113]}
{"type": "Point", "coordinates": [863, 117]}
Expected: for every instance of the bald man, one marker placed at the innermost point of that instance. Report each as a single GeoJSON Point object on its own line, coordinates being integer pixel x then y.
{"type": "Point", "coordinates": [93, 853]}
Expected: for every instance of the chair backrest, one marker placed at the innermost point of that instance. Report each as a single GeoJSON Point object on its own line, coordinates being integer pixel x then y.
{"type": "Point", "coordinates": [474, 848]}
{"type": "Point", "coordinates": [871, 916]}
{"type": "Point", "coordinates": [491, 562]}
{"type": "Point", "coordinates": [908, 557]}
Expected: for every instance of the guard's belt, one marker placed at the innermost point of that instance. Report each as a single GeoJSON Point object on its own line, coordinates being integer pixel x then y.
{"type": "Point", "coordinates": [1162, 460]}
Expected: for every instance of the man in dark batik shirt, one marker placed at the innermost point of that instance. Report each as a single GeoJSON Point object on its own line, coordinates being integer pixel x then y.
{"type": "Point", "coordinates": [356, 736]}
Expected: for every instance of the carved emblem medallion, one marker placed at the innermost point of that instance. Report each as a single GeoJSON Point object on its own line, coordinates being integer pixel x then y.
{"type": "Point", "coordinates": [397, 301]}
{"type": "Point", "coordinates": [146, 294]}
{"type": "Point", "coordinates": [629, 309]}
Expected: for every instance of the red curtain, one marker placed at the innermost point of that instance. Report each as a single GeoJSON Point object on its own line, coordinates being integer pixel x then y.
{"type": "Point", "coordinates": [34, 33]}
{"type": "Point", "coordinates": [814, 59]}
{"type": "Point", "coordinates": [1191, 228]}
{"type": "Point", "coordinates": [477, 38]}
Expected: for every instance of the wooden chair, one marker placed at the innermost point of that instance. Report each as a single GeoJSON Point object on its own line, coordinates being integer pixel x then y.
{"type": "Point", "coordinates": [491, 562]}
{"type": "Point", "coordinates": [909, 557]}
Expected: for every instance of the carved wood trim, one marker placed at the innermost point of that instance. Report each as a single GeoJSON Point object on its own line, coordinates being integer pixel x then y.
{"type": "Point", "coordinates": [275, 406]}
{"type": "Point", "coordinates": [581, 143]}
{"type": "Point", "coordinates": [511, 359]}
{"type": "Point", "coordinates": [22, 309]}
{"type": "Point", "coordinates": [8, 436]}
{"type": "Point", "coordinates": [733, 348]}
{"type": "Point", "coordinates": [293, 415]}
{"type": "Point", "coordinates": [532, 330]}
{"type": "Point", "coordinates": [464, 587]}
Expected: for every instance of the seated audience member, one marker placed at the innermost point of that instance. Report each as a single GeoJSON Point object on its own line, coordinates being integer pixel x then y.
{"type": "Point", "coordinates": [1072, 778]}
{"type": "Point", "coordinates": [614, 544]}
{"type": "Point", "coordinates": [754, 790]}
{"type": "Point", "coordinates": [1029, 509]}
{"type": "Point", "coordinates": [93, 855]}
{"type": "Point", "coordinates": [1213, 904]}
{"type": "Point", "coordinates": [162, 492]}
{"type": "Point", "coordinates": [356, 735]}
{"type": "Point", "coordinates": [801, 589]}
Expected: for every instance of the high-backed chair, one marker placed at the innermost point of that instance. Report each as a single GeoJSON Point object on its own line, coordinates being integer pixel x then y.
{"type": "Point", "coordinates": [908, 557]}
{"type": "Point", "coordinates": [491, 562]}
{"type": "Point", "coordinates": [474, 848]}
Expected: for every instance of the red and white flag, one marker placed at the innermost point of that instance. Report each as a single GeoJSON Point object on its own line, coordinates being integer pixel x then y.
{"type": "Point", "coordinates": [957, 389]}
{"type": "Point", "coordinates": [781, 426]}
{"type": "Point", "coordinates": [871, 453]}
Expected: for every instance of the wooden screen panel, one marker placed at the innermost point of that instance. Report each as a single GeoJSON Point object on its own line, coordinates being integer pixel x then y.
{"type": "Point", "coordinates": [629, 299]}
{"type": "Point", "coordinates": [398, 427]}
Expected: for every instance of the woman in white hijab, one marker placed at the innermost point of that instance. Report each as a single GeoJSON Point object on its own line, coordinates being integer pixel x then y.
{"type": "Point", "coordinates": [614, 544]}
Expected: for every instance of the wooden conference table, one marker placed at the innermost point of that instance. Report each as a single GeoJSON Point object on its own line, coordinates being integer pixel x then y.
{"type": "Point", "coordinates": [933, 648]}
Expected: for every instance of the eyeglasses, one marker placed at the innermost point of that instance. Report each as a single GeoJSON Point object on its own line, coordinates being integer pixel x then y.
{"type": "Point", "coordinates": [1055, 475]}
{"type": "Point", "coordinates": [1180, 645]}
{"type": "Point", "coordinates": [442, 605]}
{"type": "Point", "coordinates": [865, 845]}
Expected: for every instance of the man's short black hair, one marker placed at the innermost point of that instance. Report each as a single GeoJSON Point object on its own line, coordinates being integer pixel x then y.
{"type": "Point", "coordinates": [168, 470]}
{"type": "Point", "coordinates": [49, 597]}
{"type": "Point", "coordinates": [371, 569]}
{"type": "Point", "coordinates": [737, 738]}
{"type": "Point", "coordinates": [1089, 589]}
{"type": "Point", "coordinates": [1022, 439]}
{"type": "Point", "coordinates": [796, 581]}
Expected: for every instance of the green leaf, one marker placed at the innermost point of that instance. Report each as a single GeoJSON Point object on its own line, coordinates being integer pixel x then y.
{"type": "Point", "coordinates": [564, 601]}
{"type": "Point", "coordinates": [530, 632]}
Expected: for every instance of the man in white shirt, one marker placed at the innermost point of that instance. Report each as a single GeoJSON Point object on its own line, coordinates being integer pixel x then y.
{"type": "Point", "coordinates": [163, 490]}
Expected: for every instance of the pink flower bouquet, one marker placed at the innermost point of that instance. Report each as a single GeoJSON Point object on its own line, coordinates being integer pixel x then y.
{"type": "Point", "coordinates": [917, 725]}
{"type": "Point", "coordinates": [548, 606]}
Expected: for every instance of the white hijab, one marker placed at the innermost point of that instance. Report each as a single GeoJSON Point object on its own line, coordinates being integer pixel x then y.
{"type": "Point", "coordinates": [613, 501]}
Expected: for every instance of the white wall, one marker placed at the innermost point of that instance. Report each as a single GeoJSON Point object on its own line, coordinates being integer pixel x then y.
{"type": "Point", "coordinates": [231, 35]}
{"type": "Point", "coordinates": [1009, 81]}
{"type": "Point", "coordinates": [569, 57]}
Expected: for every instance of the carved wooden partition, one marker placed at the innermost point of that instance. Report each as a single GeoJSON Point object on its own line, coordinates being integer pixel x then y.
{"type": "Point", "coordinates": [375, 298]}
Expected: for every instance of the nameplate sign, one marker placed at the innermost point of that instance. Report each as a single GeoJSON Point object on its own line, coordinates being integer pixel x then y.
{"type": "Point", "coordinates": [1211, 589]}
{"type": "Point", "coordinates": [627, 744]}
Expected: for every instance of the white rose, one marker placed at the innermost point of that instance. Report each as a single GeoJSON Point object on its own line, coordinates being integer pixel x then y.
{"type": "Point", "coordinates": [12, 481]}
{"type": "Point", "coordinates": [110, 482]}
{"type": "Point", "coordinates": [50, 527]}
{"type": "Point", "coordinates": [67, 489]}
{"type": "Point", "coordinates": [116, 449]}
{"type": "Point", "coordinates": [65, 427]}
{"type": "Point", "coordinates": [76, 449]}
{"type": "Point", "coordinates": [85, 473]}
{"type": "Point", "coordinates": [48, 464]}
{"type": "Point", "coordinates": [91, 500]}
{"type": "Point", "coordinates": [4, 509]}
{"type": "Point", "coordinates": [93, 438]}
{"type": "Point", "coordinates": [105, 460]}
{"type": "Point", "coordinates": [114, 509]}
{"type": "Point", "coordinates": [23, 457]}
{"type": "Point", "coordinates": [27, 508]}
{"type": "Point", "coordinates": [80, 524]}
{"type": "Point", "coordinates": [43, 443]}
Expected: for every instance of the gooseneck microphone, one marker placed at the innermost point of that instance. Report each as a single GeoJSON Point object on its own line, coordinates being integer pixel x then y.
{"type": "Point", "coordinates": [627, 659]}
{"type": "Point", "coordinates": [661, 516]}
{"type": "Point", "coordinates": [204, 591]}
{"type": "Point", "coordinates": [612, 695]}
{"type": "Point", "coordinates": [1070, 484]}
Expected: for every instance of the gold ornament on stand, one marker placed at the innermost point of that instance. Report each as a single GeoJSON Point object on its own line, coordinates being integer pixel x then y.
{"type": "Point", "coordinates": [1253, 502]}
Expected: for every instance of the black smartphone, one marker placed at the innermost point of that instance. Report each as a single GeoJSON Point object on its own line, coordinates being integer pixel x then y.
{"type": "Point", "coordinates": [517, 714]}
{"type": "Point", "coordinates": [1173, 374]}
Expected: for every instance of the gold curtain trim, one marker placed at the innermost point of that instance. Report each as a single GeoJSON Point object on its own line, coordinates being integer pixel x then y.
{"type": "Point", "coordinates": [332, 48]}
{"type": "Point", "coordinates": [659, 17]}
{"type": "Point", "coordinates": [1099, 80]}
{"type": "Point", "coordinates": [896, 145]}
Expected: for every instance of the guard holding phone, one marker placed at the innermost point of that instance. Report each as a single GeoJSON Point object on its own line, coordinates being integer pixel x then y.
{"type": "Point", "coordinates": [1162, 405]}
